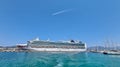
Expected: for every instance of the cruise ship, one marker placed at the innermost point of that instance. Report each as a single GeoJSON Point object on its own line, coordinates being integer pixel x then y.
{"type": "Point", "coordinates": [57, 46]}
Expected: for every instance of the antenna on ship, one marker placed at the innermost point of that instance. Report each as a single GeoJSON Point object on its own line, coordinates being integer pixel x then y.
{"type": "Point", "coordinates": [37, 39]}
{"type": "Point", "coordinates": [48, 39]}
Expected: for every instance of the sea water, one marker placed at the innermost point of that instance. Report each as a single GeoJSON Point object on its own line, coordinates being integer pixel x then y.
{"type": "Point", "coordinates": [46, 59]}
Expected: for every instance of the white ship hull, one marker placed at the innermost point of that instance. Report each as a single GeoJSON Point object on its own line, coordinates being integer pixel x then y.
{"type": "Point", "coordinates": [57, 50]}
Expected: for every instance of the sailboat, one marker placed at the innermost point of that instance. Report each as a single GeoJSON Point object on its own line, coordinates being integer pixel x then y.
{"type": "Point", "coordinates": [112, 52]}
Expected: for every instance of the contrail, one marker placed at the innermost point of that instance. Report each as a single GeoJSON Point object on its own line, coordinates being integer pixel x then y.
{"type": "Point", "coordinates": [62, 11]}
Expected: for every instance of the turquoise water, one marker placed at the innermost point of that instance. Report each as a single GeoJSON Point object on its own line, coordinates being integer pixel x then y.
{"type": "Point", "coordinates": [44, 59]}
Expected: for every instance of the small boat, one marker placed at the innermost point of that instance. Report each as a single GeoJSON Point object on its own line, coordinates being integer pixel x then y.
{"type": "Point", "coordinates": [112, 52]}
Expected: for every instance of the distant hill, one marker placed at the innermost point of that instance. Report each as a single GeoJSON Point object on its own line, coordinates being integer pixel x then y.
{"type": "Point", "coordinates": [7, 46]}
{"type": "Point", "coordinates": [103, 48]}
{"type": "Point", "coordinates": [96, 48]}
{"type": "Point", "coordinates": [11, 46]}
{"type": "Point", "coordinates": [1, 46]}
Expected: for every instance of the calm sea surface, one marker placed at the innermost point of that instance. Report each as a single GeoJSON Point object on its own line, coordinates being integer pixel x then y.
{"type": "Point", "coordinates": [44, 59]}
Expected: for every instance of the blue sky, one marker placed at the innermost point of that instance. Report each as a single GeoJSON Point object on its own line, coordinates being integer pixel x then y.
{"type": "Point", "coordinates": [91, 21]}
